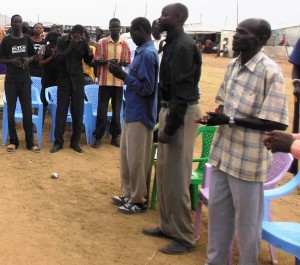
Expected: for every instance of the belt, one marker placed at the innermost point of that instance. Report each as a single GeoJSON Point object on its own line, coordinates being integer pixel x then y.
{"type": "Point", "coordinates": [165, 104]}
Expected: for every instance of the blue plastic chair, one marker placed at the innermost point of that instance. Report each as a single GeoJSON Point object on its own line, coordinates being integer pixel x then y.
{"type": "Point", "coordinates": [91, 93]}
{"type": "Point", "coordinates": [51, 97]}
{"type": "Point", "coordinates": [37, 118]}
{"type": "Point", "coordinates": [37, 82]}
{"type": "Point", "coordinates": [283, 235]}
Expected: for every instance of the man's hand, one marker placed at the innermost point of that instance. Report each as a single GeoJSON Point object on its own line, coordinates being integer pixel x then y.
{"type": "Point", "coordinates": [164, 138]}
{"type": "Point", "coordinates": [296, 91]}
{"type": "Point", "coordinates": [116, 70]}
{"type": "Point", "coordinates": [278, 141]}
{"type": "Point", "coordinates": [213, 118]}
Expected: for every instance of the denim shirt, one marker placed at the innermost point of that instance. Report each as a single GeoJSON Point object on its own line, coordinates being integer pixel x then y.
{"type": "Point", "coordinates": [141, 90]}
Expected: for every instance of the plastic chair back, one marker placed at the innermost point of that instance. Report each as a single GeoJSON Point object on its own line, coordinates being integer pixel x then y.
{"type": "Point", "coordinates": [37, 118]}
{"type": "Point", "coordinates": [281, 163]}
{"type": "Point", "coordinates": [51, 97]}
{"type": "Point", "coordinates": [37, 82]}
{"type": "Point", "coordinates": [283, 235]}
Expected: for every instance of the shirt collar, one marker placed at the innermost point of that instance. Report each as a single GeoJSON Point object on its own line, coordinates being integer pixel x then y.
{"type": "Point", "coordinates": [173, 35]}
{"type": "Point", "coordinates": [109, 39]}
{"type": "Point", "coordinates": [251, 64]}
{"type": "Point", "coordinates": [139, 49]}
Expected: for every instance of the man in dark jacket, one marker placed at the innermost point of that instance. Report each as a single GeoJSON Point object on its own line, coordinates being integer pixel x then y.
{"type": "Point", "coordinates": [71, 49]}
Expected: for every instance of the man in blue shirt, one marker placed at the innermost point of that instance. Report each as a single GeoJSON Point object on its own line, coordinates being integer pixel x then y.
{"type": "Point", "coordinates": [139, 118]}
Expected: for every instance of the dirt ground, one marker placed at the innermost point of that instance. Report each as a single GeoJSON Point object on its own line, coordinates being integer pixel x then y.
{"type": "Point", "coordinates": [71, 220]}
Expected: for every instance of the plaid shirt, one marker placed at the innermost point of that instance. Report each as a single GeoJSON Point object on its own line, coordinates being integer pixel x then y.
{"type": "Point", "coordinates": [256, 90]}
{"type": "Point", "coordinates": [107, 49]}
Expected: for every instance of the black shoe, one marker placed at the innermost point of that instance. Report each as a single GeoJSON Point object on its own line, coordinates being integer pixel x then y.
{"type": "Point", "coordinates": [155, 232]}
{"type": "Point", "coordinates": [115, 141]}
{"type": "Point", "coordinates": [176, 248]}
{"type": "Point", "coordinates": [76, 148]}
{"type": "Point", "coordinates": [96, 144]}
{"type": "Point", "coordinates": [55, 148]}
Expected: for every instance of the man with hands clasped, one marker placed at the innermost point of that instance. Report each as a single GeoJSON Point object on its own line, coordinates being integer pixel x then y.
{"type": "Point", "coordinates": [110, 49]}
{"type": "Point", "coordinates": [16, 51]}
{"type": "Point", "coordinates": [139, 118]}
{"type": "Point", "coordinates": [251, 101]}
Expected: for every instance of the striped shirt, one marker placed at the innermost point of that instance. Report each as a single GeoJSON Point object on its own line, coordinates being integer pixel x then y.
{"type": "Point", "coordinates": [107, 49]}
{"type": "Point", "coordinates": [256, 90]}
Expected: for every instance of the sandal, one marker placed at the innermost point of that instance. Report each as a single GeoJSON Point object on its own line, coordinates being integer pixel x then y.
{"type": "Point", "coordinates": [11, 148]}
{"type": "Point", "coordinates": [35, 149]}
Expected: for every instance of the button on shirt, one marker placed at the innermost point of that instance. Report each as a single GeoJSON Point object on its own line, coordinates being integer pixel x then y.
{"type": "Point", "coordinates": [253, 90]}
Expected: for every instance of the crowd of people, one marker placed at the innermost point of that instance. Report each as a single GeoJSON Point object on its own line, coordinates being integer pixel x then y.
{"type": "Point", "coordinates": [164, 74]}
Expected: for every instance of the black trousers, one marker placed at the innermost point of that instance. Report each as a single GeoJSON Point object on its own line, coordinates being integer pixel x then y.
{"type": "Point", "coordinates": [13, 90]}
{"type": "Point", "coordinates": [116, 95]}
{"type": "Point", "coordinates": [74, 99]}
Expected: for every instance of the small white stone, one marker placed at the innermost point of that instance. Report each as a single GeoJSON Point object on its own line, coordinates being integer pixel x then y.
{"type": "Point", "coordinates": [54, 175]}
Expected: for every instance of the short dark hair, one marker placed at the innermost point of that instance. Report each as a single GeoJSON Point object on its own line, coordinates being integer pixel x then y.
{"type": "Point", "coordinates": [52, 34]}
{"type": "Point", "coordinates": [77, 29]}
{"type": "Point", "coordinates": [142, 22]}
{"type": "Point", "coordinates": [13, 17]}
{"type": "Point", "coordinates": [115, 20]}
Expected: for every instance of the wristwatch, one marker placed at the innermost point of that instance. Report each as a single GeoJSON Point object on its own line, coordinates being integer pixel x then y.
{"type": "Point", "coordinates": [231, 122]}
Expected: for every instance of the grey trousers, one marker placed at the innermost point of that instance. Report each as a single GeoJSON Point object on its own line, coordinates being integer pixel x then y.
{"type": "Point", "coordinates": [234, 204]}
{"type": "Point", "coordinates": [174, 168]}
{"type": "Point", "coordinates": [135, 152]}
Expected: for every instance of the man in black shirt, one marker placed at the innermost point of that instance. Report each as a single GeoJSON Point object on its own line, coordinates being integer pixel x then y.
{"type": "Point", "coordinates": [178, 86]}
{"type": "Point", "coordinates": [71, 49]}
{"type": "Point", "coordinates": [16, 52]}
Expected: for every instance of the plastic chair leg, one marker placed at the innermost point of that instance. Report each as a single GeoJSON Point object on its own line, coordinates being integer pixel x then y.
{"type": "Point", "coordinates": [154, 192]}
{"type": "Point", "coordinates": [272, 254]}
{"type": "Point", "coordinates": [194, 193]}
{"type": "Point", "coordinates": [198, 220]}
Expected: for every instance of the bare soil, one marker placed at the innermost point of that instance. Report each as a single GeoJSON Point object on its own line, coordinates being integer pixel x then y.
{"type": "Point", "coordinates": [71, 220]}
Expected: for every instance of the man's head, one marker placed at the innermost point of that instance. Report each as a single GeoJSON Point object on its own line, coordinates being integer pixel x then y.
{"type": "Point", "coordinates": [99, 33]}
{"type": "Point", "coordinates": [52, 37]}
{"type": "Point", "coordinates": [77, 30]}
{"type": "Point", "coordinates": [251, 34]}
{"type": "Point", "coordinates": [156, 31]}
{"type": "Point", "coordinates": [57, 28]}
{"type": "Point", "coordinates": [16, 23]}
{"type": "Point", "coordinates": [173, 16]}
{"type": "Point", "coordinates": [140, 30]}
{"type": "Point", "coordinates": [115, 28]}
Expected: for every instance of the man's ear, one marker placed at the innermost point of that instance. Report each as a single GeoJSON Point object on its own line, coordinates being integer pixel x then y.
{"type": "Point", "coordinates": [263, 39]}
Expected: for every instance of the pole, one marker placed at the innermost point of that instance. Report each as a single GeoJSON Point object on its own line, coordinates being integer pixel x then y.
{"type": "Point", "coordinates": [237, 12]}
{"type": "Point", "coordinates": [114, 15]}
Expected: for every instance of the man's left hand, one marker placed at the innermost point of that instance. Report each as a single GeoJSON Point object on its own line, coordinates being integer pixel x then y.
{"type": "Point", "coordinates": [116, 70]}
{"type": "Point", "coordinates": [213, 119]}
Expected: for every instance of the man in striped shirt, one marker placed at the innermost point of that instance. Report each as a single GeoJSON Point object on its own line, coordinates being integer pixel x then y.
{"type": "Point", "coordinates": [251, 101]}
{"type": "Point", "coordinates": [110, 49]}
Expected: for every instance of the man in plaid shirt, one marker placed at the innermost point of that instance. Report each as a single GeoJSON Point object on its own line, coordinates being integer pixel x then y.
{"type": "Point", "coordinates": [251, 101]}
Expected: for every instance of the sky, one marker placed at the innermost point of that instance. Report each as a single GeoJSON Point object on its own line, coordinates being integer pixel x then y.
{"type": "Point", "coordinates": [223, 14]}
